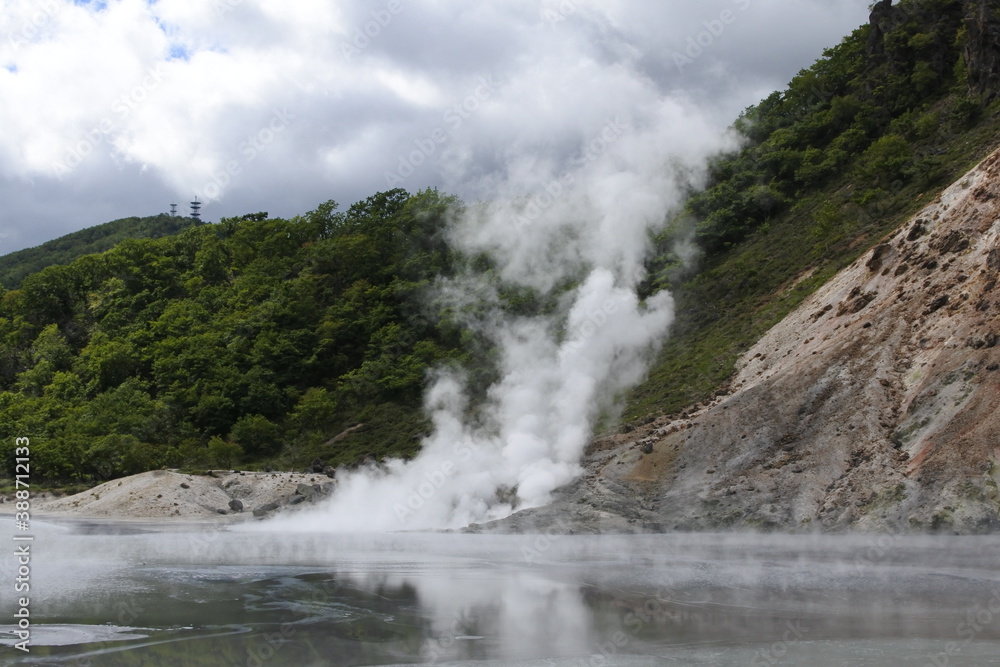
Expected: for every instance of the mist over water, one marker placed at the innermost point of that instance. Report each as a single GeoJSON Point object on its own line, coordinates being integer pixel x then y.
{"type": "Point", "coordinates": [128, 593]}
{"type": "Point", "coordinates": [548, 224]}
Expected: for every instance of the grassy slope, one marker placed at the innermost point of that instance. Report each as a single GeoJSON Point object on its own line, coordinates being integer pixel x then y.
{"type": "Point", "coordinates": [738, 296]}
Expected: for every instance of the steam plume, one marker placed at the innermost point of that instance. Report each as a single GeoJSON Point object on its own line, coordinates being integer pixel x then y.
{"type": "Point", "coordinates": [587, 224]}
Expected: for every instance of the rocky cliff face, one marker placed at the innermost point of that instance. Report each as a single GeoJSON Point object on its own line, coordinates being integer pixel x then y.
{"type": "Point", "coordinates": [875, 405]}
{"type": "Point", "coordinates": [976, 22]}
{"type": "Point", "coordinates": [880, 19]}
{"type": "Point", "coordinates": [982, 47]}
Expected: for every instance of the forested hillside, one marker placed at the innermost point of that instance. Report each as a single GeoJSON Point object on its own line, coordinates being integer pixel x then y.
{"type": "Point", "coordinates": [63, 250]}
{"type": "Point", "coordinates": [248, 340]}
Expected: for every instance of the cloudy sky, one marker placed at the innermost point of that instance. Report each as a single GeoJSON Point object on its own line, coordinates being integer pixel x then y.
{"type": "Point", "coordinates": [119, 108]}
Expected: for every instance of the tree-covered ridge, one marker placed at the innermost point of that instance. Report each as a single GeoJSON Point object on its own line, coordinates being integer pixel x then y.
{"type": "Point", "coordinates": [857, 110]}
{"type": "Point", "coordinates": [858, 141]}
{"type": "Point", "coordinates": [251, 339]}
{"type": "Point", "coordinates": [15, 266]}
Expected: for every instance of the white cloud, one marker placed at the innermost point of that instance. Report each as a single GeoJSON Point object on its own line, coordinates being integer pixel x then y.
{"type": "Point", "coordinates": [172, 90]}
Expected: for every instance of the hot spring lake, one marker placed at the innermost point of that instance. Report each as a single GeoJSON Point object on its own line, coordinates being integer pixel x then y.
{"type": "Point", "coordinates": [144, 594]}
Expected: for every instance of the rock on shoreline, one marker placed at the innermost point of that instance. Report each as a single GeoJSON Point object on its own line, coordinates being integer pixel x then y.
{"type": "Point", "coordinates": [166, 494]}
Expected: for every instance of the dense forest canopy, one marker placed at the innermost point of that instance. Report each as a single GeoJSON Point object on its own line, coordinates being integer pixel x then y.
{"type": "Point", "coordinates": [248, 339]}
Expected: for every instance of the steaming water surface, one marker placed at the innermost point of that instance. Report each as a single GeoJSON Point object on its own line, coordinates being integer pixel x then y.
{"type": "Point", "coordinates": [133, 594]}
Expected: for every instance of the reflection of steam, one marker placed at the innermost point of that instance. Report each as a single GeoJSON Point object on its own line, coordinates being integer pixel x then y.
{"type": "Point", "coordinates": [529, 614]}
{"type": "Point", "coordinates": [589, 228]}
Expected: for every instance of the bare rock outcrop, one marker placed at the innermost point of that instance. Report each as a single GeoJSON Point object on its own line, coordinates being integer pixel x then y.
{"type": "Point", "coordinates": [166, 494]}
{"type": "Point", "coordinates": [880, 20]}
{"type": "Point", "coordinates": [982, 47]}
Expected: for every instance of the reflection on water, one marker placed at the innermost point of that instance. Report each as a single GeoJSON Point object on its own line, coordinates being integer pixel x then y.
{"type": "Point", "coordinates": [144, 595]}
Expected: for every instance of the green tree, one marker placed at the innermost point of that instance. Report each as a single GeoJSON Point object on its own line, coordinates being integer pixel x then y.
{"type": "Point", "coordinates": [886, 161]}
{"type": "Point", "coordinates": [49, 354]}
{"type": "Point", "coordinates": [256, 435]}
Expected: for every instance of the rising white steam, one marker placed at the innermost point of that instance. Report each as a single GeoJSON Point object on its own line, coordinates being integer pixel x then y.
{"type": "Point", "coordinates": [590, 226]}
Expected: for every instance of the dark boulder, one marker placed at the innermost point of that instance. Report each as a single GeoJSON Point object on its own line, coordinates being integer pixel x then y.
{"type": "Point", "coordinates": [264, 509]}
{"type": "Point", "coordinates": [305, 490]}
